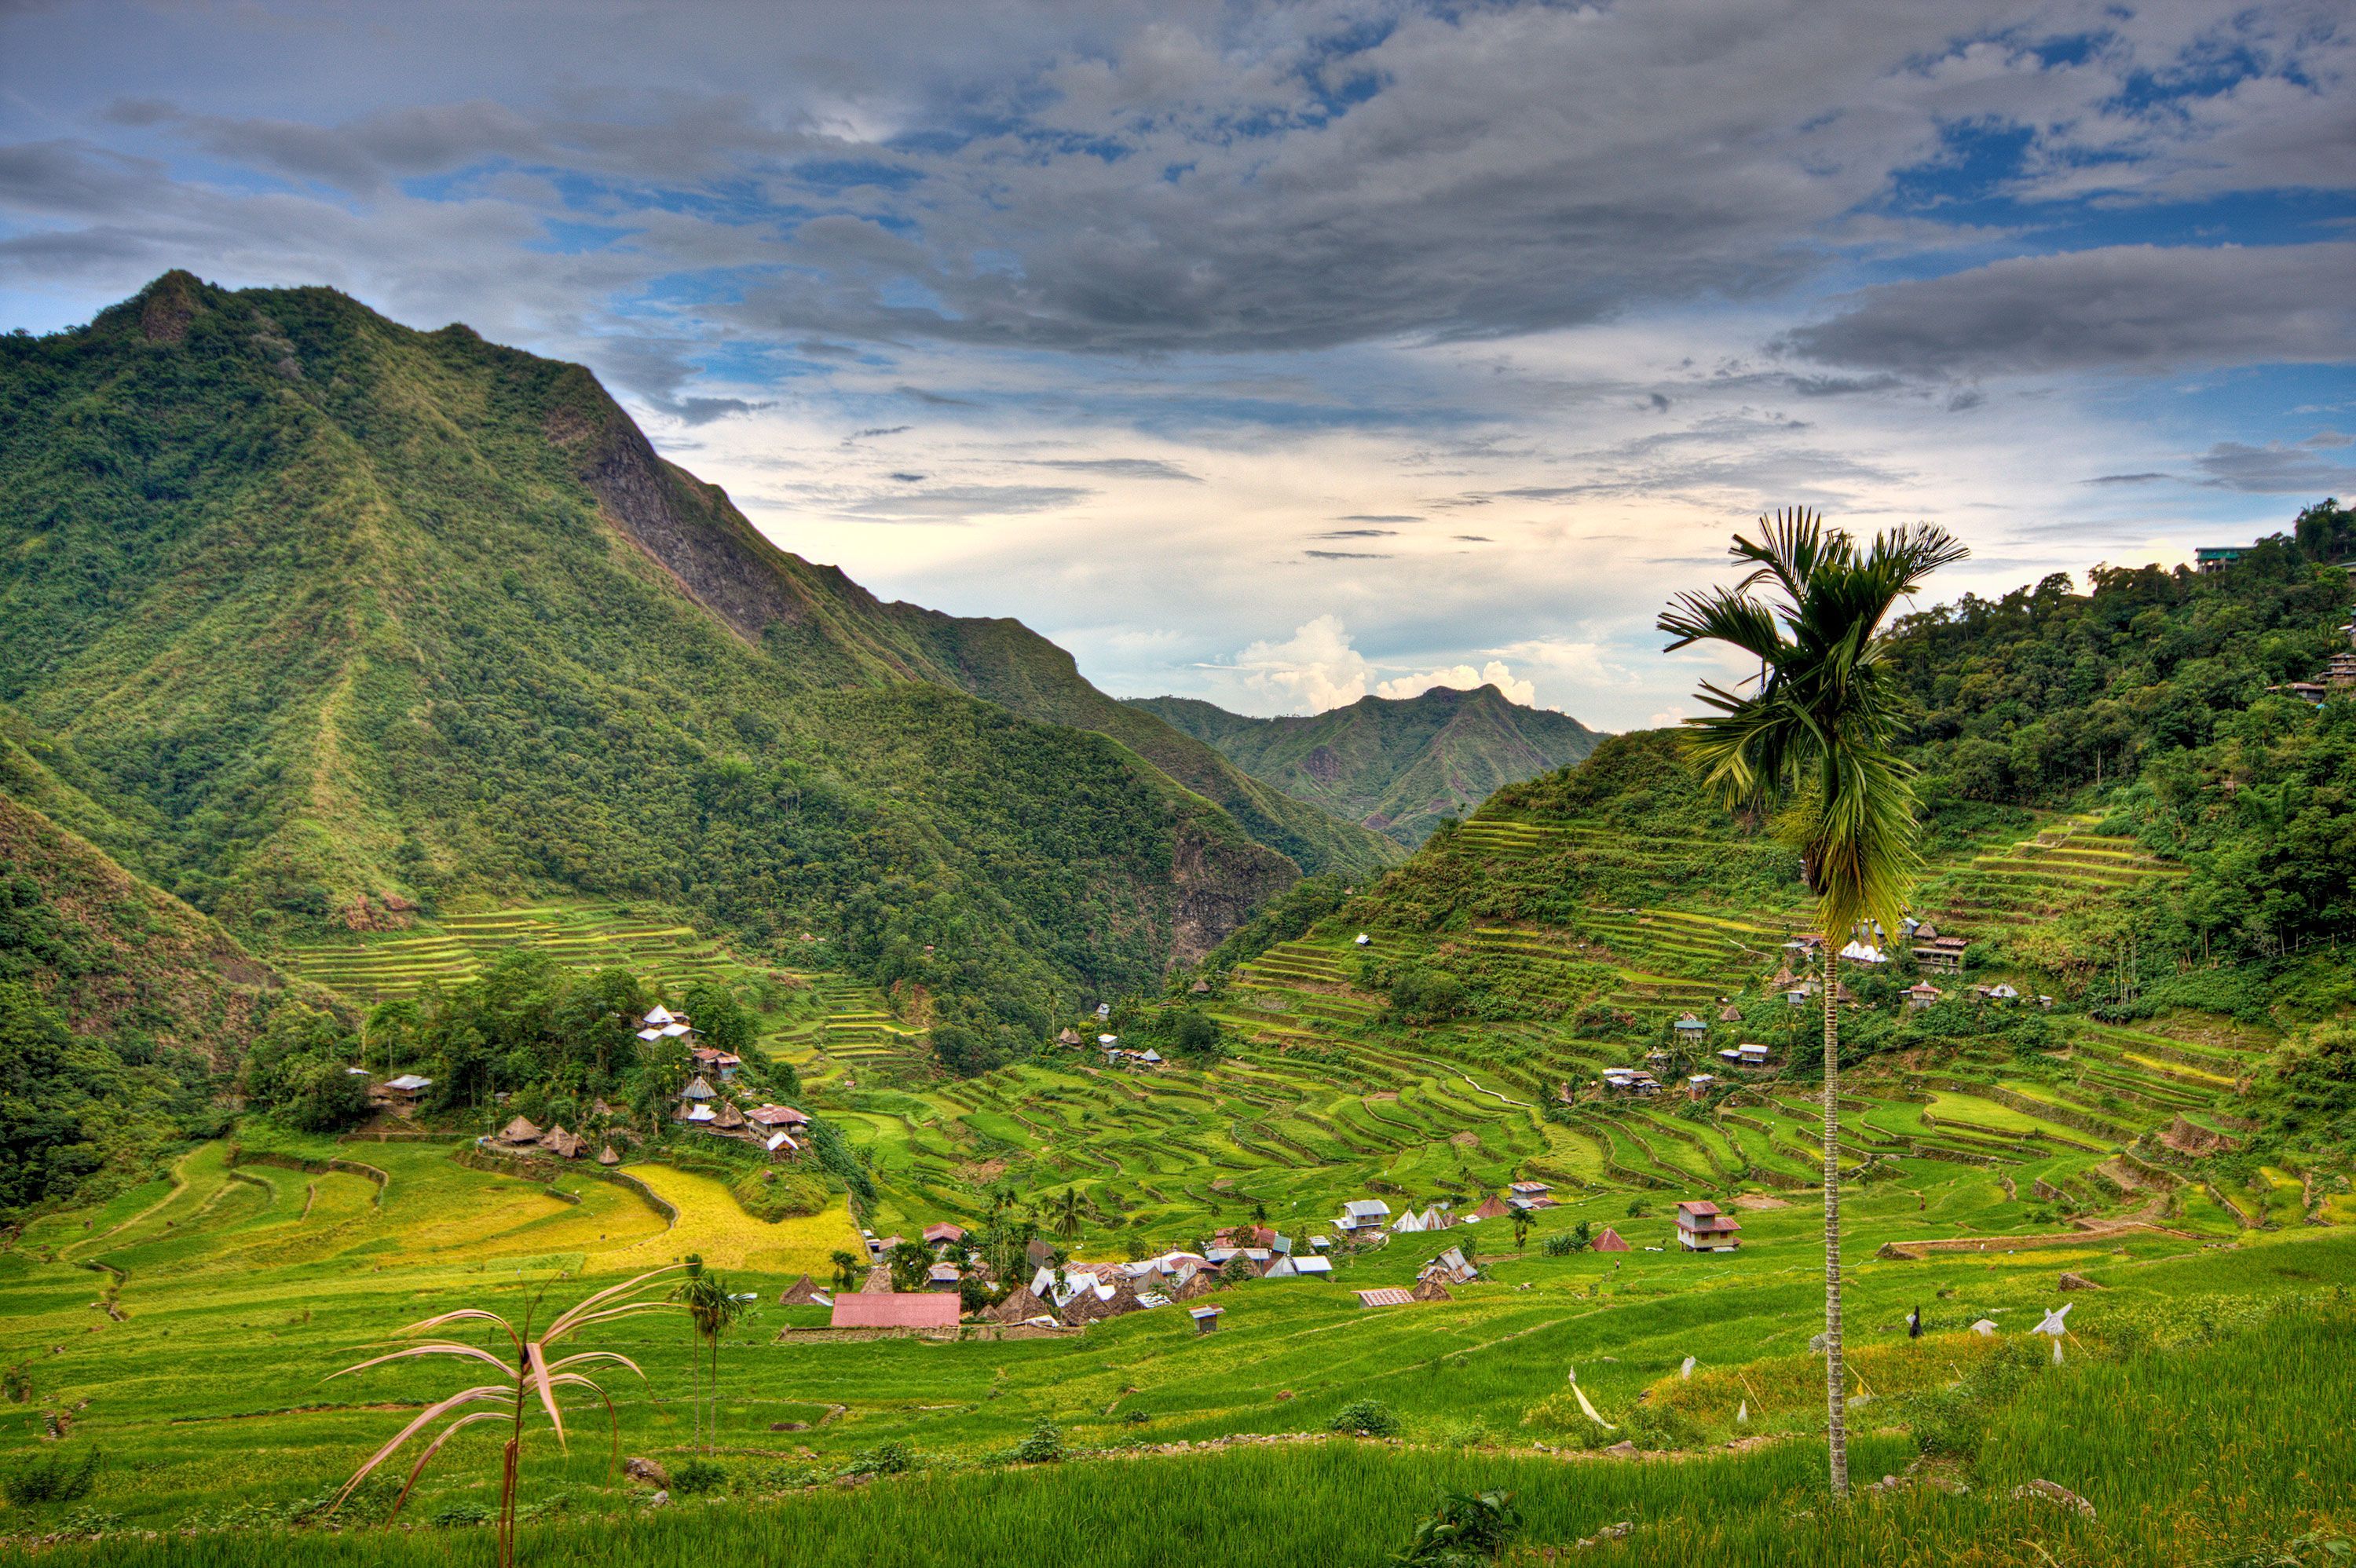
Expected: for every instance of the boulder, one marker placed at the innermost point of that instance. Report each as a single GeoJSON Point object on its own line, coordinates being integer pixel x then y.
{"type": "Point", "coordinates": [2056, 1494]}
{"type": "Point", "coordinates": [2078, 1282]}
{"type": "Point", "coordinates": [645, 1471]}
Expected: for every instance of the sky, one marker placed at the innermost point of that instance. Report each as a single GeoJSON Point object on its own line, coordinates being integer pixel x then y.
{"type": "Point", "coordinates": [1280, 355]}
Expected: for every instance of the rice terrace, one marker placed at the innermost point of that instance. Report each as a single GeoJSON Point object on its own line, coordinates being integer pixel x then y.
{"type": "Point", "coordinates": [1628, 837]}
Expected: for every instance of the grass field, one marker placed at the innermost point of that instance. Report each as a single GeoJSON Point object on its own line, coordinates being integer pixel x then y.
{"type": "Point", "coordinates": [183, 1328]}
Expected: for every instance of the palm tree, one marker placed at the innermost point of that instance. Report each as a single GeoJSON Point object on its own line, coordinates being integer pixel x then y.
{"type": "Point", "coordinates": [1067, 1213]}
{"type": "Point", "coordinates": [531, 1372]}
{"type": "Point", "coordinates": [699, 1293]}
{"type": "Point", "coordinates": [1816, 736]}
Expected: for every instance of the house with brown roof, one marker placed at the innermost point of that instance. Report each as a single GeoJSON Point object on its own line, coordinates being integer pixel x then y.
{"type": "Point", "coordinates": [1610, 1241]}
{"type": "Point", "coordinates": [943, 1234]}
{"type": "Point", "coordinates": [1701, 1228]}
{"type": "Point", "coordinates": [1494, 1209]}
{"type": "Point", "coordinates": [1936, 954]}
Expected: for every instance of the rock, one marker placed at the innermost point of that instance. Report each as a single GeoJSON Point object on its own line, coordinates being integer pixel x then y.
{"type": "Point", "coordinates": [645, 1471]}
{"type": "Point", "coordinates": [2056, 1494]}
{"type": "Point", "coordinates": [659, 1500]}
{"type": "Point", "coordinates": [2078, 1282]}
{"type": "Point", "coordinates": [1609, 1532]}
{"type": "Point", "coordinates": [789, 1426]}
{"type": "Point", "coordinates": [1284, 1393]}
{"type": "Point", "coordinates": [1624, 1448]}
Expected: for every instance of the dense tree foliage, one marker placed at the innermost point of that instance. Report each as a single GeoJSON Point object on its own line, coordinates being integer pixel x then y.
{"type": "Point", "coordinates": [326, 619]}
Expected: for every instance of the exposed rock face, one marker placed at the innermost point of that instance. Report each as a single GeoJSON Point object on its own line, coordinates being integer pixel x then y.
{"type": "Point", "coordinates": [645, 1471]}
{"type": "Point", "coordinates": [1219, 884]}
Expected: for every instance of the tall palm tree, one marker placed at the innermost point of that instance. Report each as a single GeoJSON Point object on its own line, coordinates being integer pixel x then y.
{"type": "Point", "coordinates": [1067, 1213]}
{"type": "Point", "coordinates": [701, 1294]}
{"type": "Point", "coordinates": [1816, 736]}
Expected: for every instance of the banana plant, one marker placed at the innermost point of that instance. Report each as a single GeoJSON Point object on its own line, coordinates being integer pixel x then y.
{"type": "Point", "coordinates": [534, 1375]}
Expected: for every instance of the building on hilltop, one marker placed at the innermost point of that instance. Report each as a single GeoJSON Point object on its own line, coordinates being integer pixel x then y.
{"type": "Point", "coordinates": [2208, 560]}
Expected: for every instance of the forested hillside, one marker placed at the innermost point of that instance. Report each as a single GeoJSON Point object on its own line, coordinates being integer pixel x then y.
{"type": "Point", "coordinates": [330, 620]}
{"type": "Point", "coordinates": [1398, 765]}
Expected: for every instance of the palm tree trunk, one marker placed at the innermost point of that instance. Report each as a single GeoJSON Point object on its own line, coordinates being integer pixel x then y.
{"type": "Point", "coordinates": [1836, 1374]}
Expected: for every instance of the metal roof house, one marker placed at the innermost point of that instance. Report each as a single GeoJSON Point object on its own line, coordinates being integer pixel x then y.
{"type": "Point", "coordinates": [1702, 1229]}
{"type": "Point", "coordinates": [1363, 1214]}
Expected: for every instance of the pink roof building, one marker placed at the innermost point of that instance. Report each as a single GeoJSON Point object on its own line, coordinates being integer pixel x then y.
{"type": "Point", "coordinates": [924, 1311]}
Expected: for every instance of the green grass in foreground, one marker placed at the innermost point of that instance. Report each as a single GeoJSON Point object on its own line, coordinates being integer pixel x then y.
{"type": "Point", "coordinates": [2201, 1453]}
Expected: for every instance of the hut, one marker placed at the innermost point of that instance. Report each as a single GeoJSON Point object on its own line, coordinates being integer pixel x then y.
{"type": "Point", "coordinates": [1021, 1306]}
{"type": "Point", "coordinates": [1069, 1037]}
{"type": "Point", "coordinates": [942, 1236]}
{"type": "Point", "coordinates": [564, 1144]}
{"type": "Point", "coordinates": [1610, 1241]}
{"type": "Point", "coordinates": [1430, 1290]}
{"type": "Point", "coordinates": [1389, 1295]}
{"type": "Point", "coordinates": [406, 1089]}
{"type": "Point", "coordinates": [1206, 1318]}
{"type": "Point", "coordinates": [518, 1134]}
{"type": "Point", "coordinates": [1729, 1014]}
{"type": "Point", "coordinates": [801, 1293]}
{"type": "Point", "coordinates": [878, 1281]}
{"type": "Point", "coordinates": [728, 1118]}
{"type": "Point", "coordinates": [607, 1157]}
{"type": "Point", "coordinates": [1494, 1209]}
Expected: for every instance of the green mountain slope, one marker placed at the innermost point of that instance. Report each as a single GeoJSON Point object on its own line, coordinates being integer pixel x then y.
{"type": "Point", "coordinates": [347, 619]}
{"type": "Point", "coordinates": [1397, 765]}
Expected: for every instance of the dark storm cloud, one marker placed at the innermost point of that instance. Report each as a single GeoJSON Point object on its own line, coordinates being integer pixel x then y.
{"type": "Point", "coordinates": [2132, 306]}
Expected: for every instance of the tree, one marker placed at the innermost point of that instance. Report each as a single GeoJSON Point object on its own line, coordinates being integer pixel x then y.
{"type": "Point", "coordinates": [1817, 737]}
{"type": "Point", "coordinates": [1067, 1214]}
{"type": "Point", "coordinates": [531, 1374]}
{"type": "Point", "coordinates": [846, 1271]}
{"type": "Point", "coordinates": [711, 1307]}
{"type": "Point", "coordinates": [1521, 1231]}
{"type": "Point", "coordinates": [910, 1264]}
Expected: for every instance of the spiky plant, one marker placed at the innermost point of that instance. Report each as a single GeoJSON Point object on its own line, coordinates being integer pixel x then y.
{"type": "Point", "coordinates": [532, 1375]}
{"type": "Point", "coordinates": [1817, 736]}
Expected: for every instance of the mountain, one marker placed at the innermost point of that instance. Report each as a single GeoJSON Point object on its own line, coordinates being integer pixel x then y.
{"type": "Point", "coordinates": [339, 619]}
{"type": "Point", "coordinates": [1396, 765]}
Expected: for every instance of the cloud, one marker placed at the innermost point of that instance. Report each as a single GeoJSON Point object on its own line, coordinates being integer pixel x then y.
{"type": "Point", "coordinates": [1357, 534]}
{"type": "Point", "coordinates": [1381, 517]}
{"type": "Point", "coordinates": [962, 503]}
{"type": "Point", "coordinates": [1463, 678]}
{"type": "Point", "coordinates": [2138, 307]}
{"type": "Point", "coordinates": [2146, 478]}
{"type": "Point", "coordinates": [1313, 670]}
{"type": "Point", "coordinates": [1120, 467]}
{"type": "Point", "coordinates": [2274, 470]}
{"type": "Point", "coordinates": [1345, 555]}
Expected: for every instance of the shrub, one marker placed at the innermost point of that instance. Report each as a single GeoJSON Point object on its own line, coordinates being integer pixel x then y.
{"type": "Point", "coordinates": [1658, 1427]}
{"type": "Point", "coordinates": [56, 1479]}
{"type": "Point", "coordinates": [1369, 1417]}
{"type": "Point", "coordinates": [452, 1516]}
{"type": "Point", "coordinates": [1465, 1528]}
{"type": "Point", "coordinates": [1559, 1245]}
{"type": "Point", "coordinates": [1044, 1446]}
{"type": "Point", "coordinates": [696, 1477]}
{"type": "Point", "coordinates": [890, 1459]}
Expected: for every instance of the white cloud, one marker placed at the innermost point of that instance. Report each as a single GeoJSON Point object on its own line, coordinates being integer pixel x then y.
{"type": "Point", "coordinates": [1465, 678]}
{"type": "Point", "coordinates": [1314, 669]}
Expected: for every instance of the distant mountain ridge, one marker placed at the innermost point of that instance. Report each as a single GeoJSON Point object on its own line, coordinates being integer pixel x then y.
{"type": "Point", "coordinates": [1397, 765]}
{"type": "Point", "coordinates": [326, 618]}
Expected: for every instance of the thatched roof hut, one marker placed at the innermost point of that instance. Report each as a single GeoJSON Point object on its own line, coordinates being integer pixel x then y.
{"type": "Point", "coordinates": [1430, 1290]}
{"type": "Point", "coordinates": [801, 1293]}
{"type": "Point", "coordinates": [607, 1157]}
{"type": "Point", "coordinates": [1020, 1306]}
{"type": "Point", "coordinates": [518, 1133]}
{"type": "Point", "coordinates": [726, 1117]}
{"type": "Point", "coordinates": [569, 1146]}
{"type": "Point", "coordinates": [878, 1281]}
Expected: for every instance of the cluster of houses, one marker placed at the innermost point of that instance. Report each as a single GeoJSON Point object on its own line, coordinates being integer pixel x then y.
{"type": "Point", "coordinates": [1116, 1055]}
